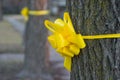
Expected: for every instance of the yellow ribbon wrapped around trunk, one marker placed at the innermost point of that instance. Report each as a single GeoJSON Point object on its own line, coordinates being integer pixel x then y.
{"type": "Point", "coordinates": [25, 12]}
{"type": "Point", "coordinates": [64, 39]}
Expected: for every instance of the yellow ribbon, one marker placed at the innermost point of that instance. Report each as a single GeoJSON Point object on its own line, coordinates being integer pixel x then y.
{"type": "Point", "coordinates": [25, 12]}
{"type": "Point", "coordinates": [65, 40]}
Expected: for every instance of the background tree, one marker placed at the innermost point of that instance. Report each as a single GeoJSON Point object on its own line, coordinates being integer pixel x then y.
{"type": "Point", "coordinates": [35, 66]}
{"type": "Point", "coordinates": [100, 60]}
{"type": "Point", "coordinates": [1, 14]}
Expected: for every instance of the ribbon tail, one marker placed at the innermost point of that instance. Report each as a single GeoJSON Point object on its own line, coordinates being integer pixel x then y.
{"type": "Point", "coordinates": [67, 63]}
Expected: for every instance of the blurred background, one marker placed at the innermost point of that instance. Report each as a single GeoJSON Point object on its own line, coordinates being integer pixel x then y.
{"type": "Point", "coordinates": [12, 45]}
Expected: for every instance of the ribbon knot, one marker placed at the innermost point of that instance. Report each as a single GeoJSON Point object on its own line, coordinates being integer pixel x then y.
{"type": "Point", "coordinates": [25, 12]}
{"type": "Point", "coordinates": [64, 39]}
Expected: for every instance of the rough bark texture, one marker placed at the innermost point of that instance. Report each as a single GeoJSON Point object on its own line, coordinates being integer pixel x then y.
{"type": "Point", "coordinates": [35, 67]}
{"type": "Point", "coordinates": [1, 15]}
{"type": "Point", "coordinates": [100, 60]}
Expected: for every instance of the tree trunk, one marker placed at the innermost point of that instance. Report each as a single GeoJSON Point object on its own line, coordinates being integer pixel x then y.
{"type": "Point", "coordinates": [100, 60]}
{"type": "Point", "coordinates": [35, 66]}
{"type": "Point", "coordinates": [1, 14]}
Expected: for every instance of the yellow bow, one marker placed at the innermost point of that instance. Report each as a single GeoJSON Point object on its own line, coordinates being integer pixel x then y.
{"type": "Point", "coordinates": [25, 12]}
{"type": "Point", "coordinates": [64, 39]}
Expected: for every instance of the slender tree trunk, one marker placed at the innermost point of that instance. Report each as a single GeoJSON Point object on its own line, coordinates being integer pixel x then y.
{"type": "Point", "coordinates": [100, 60]}
{"type": "Point", "coordinates": [1, 14]}
{"type": "Point", "coordinates": [35, 66]}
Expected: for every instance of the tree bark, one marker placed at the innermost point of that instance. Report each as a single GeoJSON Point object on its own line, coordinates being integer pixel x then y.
{"type": "Point", "coordinates": [1, 14]}
{"type": "Point", "coordinates": [35, 66]}
{"type": "Point", "coordinates": [100, 60]}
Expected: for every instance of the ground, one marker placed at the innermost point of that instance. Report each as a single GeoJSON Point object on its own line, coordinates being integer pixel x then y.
{"type": "Point", "coordinates": [12, 55]}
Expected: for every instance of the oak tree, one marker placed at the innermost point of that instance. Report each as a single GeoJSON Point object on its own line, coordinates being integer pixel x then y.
{"type": "Point", "coordinates": [100, 60]}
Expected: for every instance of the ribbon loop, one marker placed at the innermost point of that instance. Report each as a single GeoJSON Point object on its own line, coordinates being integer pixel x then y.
{"type": "Point", "coordinates": [51, 26]}
{"type": "Point", "coordinates": [68, 21]}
